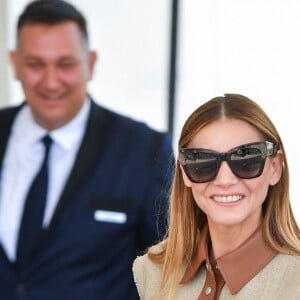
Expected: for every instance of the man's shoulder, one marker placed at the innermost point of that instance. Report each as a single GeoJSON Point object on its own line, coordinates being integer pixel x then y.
{"type": "Point", "coordinates": [146, 140]}
{"type": "Point", "coordinates": [125, 122]}
{"type": "Point", "coordinates": [10, 109]}
{"type": "Point", "coordinates": [7, 116]}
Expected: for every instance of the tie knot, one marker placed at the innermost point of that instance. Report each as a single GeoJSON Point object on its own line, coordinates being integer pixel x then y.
{"type": "Point", "coordinates": [47, 141]}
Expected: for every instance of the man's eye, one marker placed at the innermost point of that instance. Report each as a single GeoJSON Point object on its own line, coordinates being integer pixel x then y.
{"type": "Point", "coordinates": [34, 65]}
{"type": "Point", "coordinates": [68, 65]}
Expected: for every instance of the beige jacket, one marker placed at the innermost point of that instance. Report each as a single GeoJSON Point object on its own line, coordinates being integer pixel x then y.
{"type": "Point", "coordinates": [278, 280]}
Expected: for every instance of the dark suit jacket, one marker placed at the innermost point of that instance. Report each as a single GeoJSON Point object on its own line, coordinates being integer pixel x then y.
{"type": "Point", "coordinates": [122, 168]}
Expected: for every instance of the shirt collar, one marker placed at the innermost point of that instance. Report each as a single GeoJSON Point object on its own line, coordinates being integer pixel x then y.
{"type": "Point", "coordinates": [29, 132]}
{"type": "Point", "coordinates": [69, 134]}
{"type": "Point", "coordinates": [237, 267]}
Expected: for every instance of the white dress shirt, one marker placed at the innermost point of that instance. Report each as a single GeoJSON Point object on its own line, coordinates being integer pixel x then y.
{"type": "Point", "coordinates": [22, 161]}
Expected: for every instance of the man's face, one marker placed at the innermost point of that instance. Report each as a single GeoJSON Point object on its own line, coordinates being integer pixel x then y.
{"type": "Point", "coordinates": [54, 66]}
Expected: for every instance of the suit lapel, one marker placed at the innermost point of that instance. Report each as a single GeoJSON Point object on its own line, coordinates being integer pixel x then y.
{"type": "Point", "coordinates": [90, 150]}
{"type": "Point", "coordinates": [7, 117]}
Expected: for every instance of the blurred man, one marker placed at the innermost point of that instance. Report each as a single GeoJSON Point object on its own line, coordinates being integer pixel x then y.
{"type": "Point", "coordinates": [82, 189]}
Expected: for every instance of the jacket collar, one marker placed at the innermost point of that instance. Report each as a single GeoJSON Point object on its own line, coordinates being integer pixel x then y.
{"type": "Point", "coordinates": [237, 267]}
{"type": "Point", "coordinates": [7, 117]}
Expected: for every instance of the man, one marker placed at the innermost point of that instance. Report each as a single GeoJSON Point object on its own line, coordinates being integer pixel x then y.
{"type": "Point", "coordinates": [100, 183]}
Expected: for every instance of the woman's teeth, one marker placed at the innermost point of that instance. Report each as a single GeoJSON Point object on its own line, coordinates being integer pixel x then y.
{"type": "Point", "coordinates": [227, 199]}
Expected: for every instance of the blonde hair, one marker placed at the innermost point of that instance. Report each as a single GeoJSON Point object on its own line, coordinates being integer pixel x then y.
{"type": "Point", "coordinates": [186, 220]}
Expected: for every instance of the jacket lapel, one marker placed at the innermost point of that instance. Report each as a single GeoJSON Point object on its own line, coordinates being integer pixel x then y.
{"type": "Point", "coordinates": [89, 151]}
{"type": "Point", "coordinates": [6, 121]}
{"type": "Point", "coordinates": [7, 117]}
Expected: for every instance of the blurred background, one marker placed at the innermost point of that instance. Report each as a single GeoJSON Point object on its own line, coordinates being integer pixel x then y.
{"type": "Point", "coordinates": [159, 60]}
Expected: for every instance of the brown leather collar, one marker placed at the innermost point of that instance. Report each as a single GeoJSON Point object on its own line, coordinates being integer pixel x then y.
{"type": "Point", "coordinates": [237, 267]}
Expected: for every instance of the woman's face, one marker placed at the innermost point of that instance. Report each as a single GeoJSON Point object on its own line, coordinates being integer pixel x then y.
{"type": "Point", "coordinates": [228, 200]}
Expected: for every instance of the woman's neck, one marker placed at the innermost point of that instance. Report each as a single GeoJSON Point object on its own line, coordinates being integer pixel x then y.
{"type": "Point", "coordinates": [225, 239]}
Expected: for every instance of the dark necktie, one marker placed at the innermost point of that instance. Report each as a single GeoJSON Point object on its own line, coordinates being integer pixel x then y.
{"type": "Point", "coordinates": [33, 213]}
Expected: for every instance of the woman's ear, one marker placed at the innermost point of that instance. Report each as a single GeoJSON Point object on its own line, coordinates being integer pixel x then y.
{"type": "Point", "coordinates": [276, 167]}
{"type": "Point", "coordinates": [186, 180]}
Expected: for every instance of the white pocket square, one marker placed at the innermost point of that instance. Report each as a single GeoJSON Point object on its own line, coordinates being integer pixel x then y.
{"type": "Point", "coordinates": [110, 216]}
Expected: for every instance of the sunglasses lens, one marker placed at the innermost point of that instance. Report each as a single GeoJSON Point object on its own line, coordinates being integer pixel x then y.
{"type": "Point", "coordinates": [248, 162]}
{"type": "Point", "coordinates": [200, 166]}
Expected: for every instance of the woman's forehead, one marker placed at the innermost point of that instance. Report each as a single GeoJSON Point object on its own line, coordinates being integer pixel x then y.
{"type": "Point", "coordinates": [225, 134]}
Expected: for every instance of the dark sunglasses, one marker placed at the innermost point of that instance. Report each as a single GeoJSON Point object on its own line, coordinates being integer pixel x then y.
{"type": "Point", "coordinates": [245, 161]}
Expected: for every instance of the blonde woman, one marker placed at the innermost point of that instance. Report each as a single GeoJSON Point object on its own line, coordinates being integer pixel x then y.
{"type": "Point", "coordinates": [232, 233]}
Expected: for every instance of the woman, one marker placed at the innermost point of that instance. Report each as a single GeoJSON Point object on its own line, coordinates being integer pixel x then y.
{"type": "Point", "coordinates": [232, 233]}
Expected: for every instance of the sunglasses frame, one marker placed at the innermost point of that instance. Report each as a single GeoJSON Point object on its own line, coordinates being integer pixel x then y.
{"type": "Point", "coordinates": [269, 149]}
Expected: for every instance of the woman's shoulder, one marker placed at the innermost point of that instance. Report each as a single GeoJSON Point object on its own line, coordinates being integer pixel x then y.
{"type": "Point", "coordinates": [291, 260]}
{"type": "Point", "coordinates": [288, 266]}
{"type": "Point", "coordinates": [144, 266]}
{"type": "Point", "coordinates": [146, 274]}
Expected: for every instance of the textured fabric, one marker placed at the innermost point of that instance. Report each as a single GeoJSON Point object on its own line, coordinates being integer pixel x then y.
{"type": "Point", "coordinates": [237, 267]}
{"type": "Point", "coordinates": [278, 279]}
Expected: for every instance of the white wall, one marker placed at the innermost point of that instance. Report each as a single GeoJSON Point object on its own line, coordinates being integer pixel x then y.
{"type": "Point", "coordinates": [4, 79]}
{"type": "Point", "coordinates": [249, 47]}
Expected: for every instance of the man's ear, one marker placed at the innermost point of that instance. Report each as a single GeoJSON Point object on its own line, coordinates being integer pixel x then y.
{"type": "Point", "coordinates": [186, 180]}
{"type": "Point", "coordinates": [92, 63]}
{"type": "Point", "coordinates": [276, 167]}
{"type": "Point", "coordinates": [13, 60]}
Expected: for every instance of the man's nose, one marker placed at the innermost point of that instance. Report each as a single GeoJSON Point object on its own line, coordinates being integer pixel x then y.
{"type": "Point", "coordinates": [50, 78]}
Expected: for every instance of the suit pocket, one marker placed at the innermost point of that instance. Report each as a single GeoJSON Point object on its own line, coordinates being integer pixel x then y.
{"type": "Point", "coordinates": [110, 209]}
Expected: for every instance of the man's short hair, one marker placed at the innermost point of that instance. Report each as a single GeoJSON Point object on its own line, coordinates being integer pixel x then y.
{"type": "Point", "coordinates": [52, 12]}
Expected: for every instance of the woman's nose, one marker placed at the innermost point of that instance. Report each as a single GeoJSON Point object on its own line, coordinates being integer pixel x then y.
{"type": "Point", "coordinates": [225, 176]}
